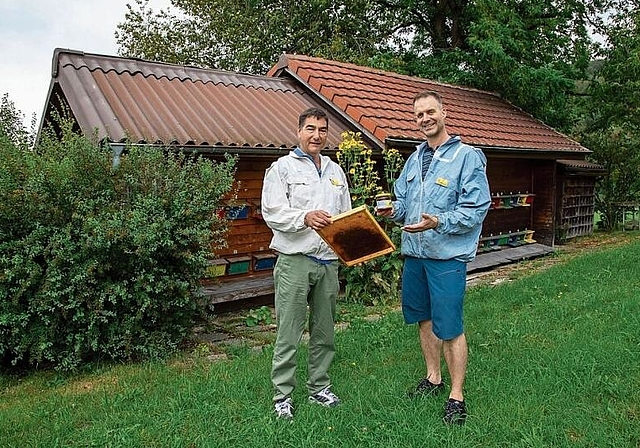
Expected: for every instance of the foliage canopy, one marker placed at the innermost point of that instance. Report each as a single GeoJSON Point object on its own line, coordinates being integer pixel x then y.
{"type": "Point", "coordinates": [610, 124]}
{"type": "Point", "coordinates": [11, 124]}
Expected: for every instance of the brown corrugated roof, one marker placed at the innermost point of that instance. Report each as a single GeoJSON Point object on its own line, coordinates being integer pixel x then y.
{"type": "Point", "coordinates": [149, 102]}
{"type": "Point", "coordinates": [581, 166]}
{"type": "Point", "coordinates": [381, 102]}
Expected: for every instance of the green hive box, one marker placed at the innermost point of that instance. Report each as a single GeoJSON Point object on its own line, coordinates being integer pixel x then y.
{"type": "Point", "coordinates": [238, 265]}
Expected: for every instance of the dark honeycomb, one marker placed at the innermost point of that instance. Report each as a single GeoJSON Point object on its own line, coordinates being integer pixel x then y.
{"type": "Point", "coordinates": [358, 242]}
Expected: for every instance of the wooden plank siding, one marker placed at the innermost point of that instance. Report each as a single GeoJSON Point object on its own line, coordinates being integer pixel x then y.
{"type": "Point", "coordinates": [248, 236]}
{"type": "Point", "coordinates": [575, 207]}
{"type": "Point", "coordinates": [509, 176]}
{"type": "Point", "coordinates": [544, 175]}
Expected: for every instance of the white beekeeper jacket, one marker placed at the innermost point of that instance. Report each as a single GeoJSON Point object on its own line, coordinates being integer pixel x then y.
{"type": "Point", "coordinates": [293, 187]}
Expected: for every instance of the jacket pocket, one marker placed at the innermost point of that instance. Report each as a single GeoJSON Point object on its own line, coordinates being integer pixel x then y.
{"type": "Point", "coordinates": [443, 198]}
{"type": "Point", "coordinates": [337, 193]}
{"type": "Point", "coordinates": [412, 175]}
{"type": "Point", "coordinates": [299, 192]}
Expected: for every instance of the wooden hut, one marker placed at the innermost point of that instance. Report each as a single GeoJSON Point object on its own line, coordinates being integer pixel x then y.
{"type": "Point", "coordinates": [531, 167]}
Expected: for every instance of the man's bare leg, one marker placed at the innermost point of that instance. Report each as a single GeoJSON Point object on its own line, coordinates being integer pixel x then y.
{"type": "Point", "coordinates": [455, 355]}
{"type": "Point", "coordinates": [432, 351]}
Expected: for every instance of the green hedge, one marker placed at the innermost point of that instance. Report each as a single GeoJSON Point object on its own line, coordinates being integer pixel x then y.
{"type": "Point", "coordinates": [97, 262]}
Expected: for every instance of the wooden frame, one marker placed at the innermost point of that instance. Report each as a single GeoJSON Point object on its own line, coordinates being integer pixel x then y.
{"type": "Point", "coordinates": [355, 236]}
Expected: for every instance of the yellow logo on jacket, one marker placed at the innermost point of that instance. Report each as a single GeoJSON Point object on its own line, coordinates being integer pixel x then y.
{"type": "Point", "coordinates": [336, 182]}
{"type": "Point", "coordinates": [442, 181]}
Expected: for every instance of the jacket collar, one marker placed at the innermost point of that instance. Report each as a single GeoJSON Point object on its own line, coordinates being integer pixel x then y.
{"type": "Point", "coordinates": [453, 140]}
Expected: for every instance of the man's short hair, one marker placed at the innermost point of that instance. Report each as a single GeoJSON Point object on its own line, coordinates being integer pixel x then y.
{"type": "Point", "coordinates": [312, 112]}
{"type": "Point", "coordinates": [427, 94]}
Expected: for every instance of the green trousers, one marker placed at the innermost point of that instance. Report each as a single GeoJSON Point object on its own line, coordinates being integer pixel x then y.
{"type": "Point", "coordinates": [301, 282]}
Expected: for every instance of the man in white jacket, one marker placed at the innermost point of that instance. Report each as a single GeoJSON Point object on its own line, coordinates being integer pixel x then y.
{"type": "Point", "coordinates": [300, 194]}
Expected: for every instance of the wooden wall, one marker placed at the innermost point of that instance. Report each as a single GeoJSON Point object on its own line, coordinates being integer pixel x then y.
{"type": "Point", "coordinates": [511, 176]}
{"type": "Point", "coordinates": [575, 205]}
{"type": "Point", "coordinates": [544, 185]}
{"type": "Point", "coordinates": [251, 234]}
{"type": "Point", "coordinates": [248, 237]}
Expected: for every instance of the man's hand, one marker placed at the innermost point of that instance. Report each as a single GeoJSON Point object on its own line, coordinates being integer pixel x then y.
{"type": "Point", "coordinates": [317, 219]}
{"type": "Point", "coordinates": [386, 212]}
{"type": "Point", "coordinates": [427, 222]}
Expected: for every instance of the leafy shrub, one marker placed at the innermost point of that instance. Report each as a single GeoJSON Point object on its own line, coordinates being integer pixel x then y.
{"type": "Point", "coordinates": [11, 124]}
{"type": "Point", "coordinates": [375, 282]}
{"type": "Point", "coordinates": [259, 316]}
{"type": "Point", "coordinates": [103, 262]}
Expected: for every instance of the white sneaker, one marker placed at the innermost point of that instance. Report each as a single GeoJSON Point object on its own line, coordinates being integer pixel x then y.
{"type": "Point", "coordinates": [284, 408]}
{"type": "Point", "coordinates": [325, 398]}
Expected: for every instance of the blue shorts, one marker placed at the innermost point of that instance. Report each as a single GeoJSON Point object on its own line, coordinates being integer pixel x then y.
{"type": "Point", "coordinates": [434, 290]}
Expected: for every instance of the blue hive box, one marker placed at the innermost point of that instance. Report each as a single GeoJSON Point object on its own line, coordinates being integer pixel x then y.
{"type": "Point", "coordinates": [263, 262]}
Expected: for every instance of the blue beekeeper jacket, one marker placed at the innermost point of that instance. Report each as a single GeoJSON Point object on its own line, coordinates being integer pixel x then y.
{"type": "Point", "coordinates": [455, 190]}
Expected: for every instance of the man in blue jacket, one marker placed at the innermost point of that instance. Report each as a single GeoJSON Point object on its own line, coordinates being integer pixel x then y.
{"type": "Point", "coordinates": [442, 198]}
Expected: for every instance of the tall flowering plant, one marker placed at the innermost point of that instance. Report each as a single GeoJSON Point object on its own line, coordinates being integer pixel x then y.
{"type": "Point", "coordinates": [393, 163]}
{"type": "Point", "coordinates": [355, 159]}
{"type": "Point", "coordinates": [375, 282]}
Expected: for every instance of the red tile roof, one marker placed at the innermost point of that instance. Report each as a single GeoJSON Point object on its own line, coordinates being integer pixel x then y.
{"type": "Point", "coordinates": [381, 102]}
{"type": "Point", "coordinates": [152, 102]}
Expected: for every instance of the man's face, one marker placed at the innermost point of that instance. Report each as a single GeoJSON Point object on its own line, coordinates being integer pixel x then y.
{"type": "Point", "coordinates": [313, 135]}
{"type": "Point", "coordinates": [430, 117]}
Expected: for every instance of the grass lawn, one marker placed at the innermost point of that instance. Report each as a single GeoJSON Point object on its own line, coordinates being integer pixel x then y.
{"type": "Point", "coordinates": [554, 361]}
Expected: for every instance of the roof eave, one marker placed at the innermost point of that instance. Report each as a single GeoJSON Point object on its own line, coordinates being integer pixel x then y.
{"type": "Point", "coordinates": [404, 143]}
{"type": "Point", "coordinates": [535, 153]}
{"type": "Point", "coordinates": [253, 151]}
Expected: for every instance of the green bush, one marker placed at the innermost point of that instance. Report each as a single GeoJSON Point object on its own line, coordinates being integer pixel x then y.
{"type": "Point", "coordinates": [377, 281]}
{"type": "Point", "coordinates": [97, 262]}
{"type": "Point", "coordinates": [259, 316]}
